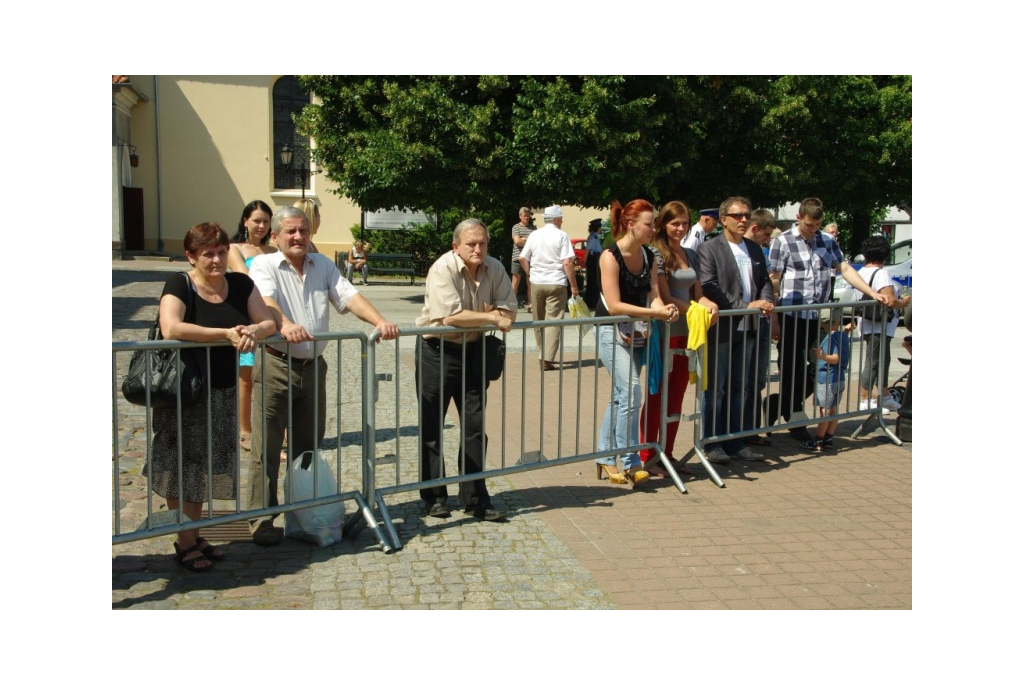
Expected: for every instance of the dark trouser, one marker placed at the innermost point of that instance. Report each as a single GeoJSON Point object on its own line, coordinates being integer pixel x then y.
{"type": "Point", "coordinates": [593, 291]}
{"type": "Point", "coordinates": [796, 380]}
{"type": "Point", "coordinates": [272, 380]}
{"type": "Point", "coordinates": [759, 378]}
{"type": "Point", "coordinates": [730, 362]}
{"type": "Point", "coordinates": [437, 386]}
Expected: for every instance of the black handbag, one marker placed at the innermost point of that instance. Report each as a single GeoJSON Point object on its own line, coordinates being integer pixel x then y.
{"type": "Point", "coordinates": [164, 375]}
{"type": "Point", "coordinates": [493, 350]}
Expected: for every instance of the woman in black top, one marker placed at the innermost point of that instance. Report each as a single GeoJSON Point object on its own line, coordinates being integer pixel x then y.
{"type": "Point", "coordinates": [225, 306]}
{"type": "Point", "coordinates": [626, 288]}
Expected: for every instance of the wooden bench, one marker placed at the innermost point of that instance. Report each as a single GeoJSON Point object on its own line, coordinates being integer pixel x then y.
{"type": "Point", "coordinates": [382, 263]}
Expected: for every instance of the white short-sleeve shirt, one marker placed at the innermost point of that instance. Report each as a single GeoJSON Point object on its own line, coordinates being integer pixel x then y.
{"type": "Point", "coordinates": [303, 299]}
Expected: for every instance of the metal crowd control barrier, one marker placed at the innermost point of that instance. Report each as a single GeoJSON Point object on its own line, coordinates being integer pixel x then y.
{"type": "Point", "coordinates": [555, 436]}
{"type": "Point", "coordinates": [516, 404]}
{"type": "Point", "coordinates": [132, 423]}
{"type": "Point", "coordinates": [796, 346]}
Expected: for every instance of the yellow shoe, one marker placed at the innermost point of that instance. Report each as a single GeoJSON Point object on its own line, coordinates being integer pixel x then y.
{"type": "Point", "coordinates": [636, 476]}
{"type": "Point", "coordinates": [606, 471]}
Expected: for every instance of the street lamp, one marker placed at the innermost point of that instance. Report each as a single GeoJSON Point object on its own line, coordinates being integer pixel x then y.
{"type": "Point", "coordinates": [287, 154]}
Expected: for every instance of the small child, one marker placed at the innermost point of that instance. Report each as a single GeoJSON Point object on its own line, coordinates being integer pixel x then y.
{"type": "Point", "coordinates": [833, 362]}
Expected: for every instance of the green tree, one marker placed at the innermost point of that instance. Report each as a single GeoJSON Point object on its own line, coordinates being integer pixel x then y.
{"type": "Point", "coordinates": [493, 143]}
{"type": "Point", "coordinates": [845, 139]}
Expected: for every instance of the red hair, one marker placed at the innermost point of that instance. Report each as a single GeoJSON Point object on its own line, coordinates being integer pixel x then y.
{"type": "Point", "coordinates": [621, 216]}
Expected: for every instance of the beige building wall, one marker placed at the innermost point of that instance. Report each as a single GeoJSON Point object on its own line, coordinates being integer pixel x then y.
{"type": "Point", "coordinates": [205, 151]}
{"type": "Point", "coordinates": [204, 144]}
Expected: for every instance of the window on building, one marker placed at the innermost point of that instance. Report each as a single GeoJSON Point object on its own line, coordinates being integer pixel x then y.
{"type": "Point", "coordinates": [289, 99]}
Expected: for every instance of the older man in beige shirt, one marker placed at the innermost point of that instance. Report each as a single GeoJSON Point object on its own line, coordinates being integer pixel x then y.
{"type": "Point", "coordinates": [466, 289]}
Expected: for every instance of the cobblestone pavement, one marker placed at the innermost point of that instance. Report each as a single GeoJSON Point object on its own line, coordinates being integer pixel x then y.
{"type": "Point", "coordinates": [798, 531]}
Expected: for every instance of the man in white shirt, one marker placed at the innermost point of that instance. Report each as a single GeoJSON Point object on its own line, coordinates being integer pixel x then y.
{"type": "Point", "coordinates": [296, 285]}
{"type": "Point", "coordinates": [550, 264]}
{"type": "Point", "coordinates": [707, 223]}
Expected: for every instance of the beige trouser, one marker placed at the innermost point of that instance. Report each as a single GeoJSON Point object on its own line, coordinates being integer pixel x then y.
{"type": "Point", "coordinates": [548, 303]}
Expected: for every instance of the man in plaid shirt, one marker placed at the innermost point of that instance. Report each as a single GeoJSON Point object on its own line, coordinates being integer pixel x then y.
{"type": "Point", "coordinates": [803, 260]}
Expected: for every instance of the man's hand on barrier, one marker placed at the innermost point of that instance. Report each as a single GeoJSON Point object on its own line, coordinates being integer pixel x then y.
{"type": "Point", "coordinates": [503, 322]}
{"type": "Point", "coordinates": [765, 306]}
{"type": "Point", "coordinates": [388, 330]}
{"type": "Point", "coordinates": [294, 333]}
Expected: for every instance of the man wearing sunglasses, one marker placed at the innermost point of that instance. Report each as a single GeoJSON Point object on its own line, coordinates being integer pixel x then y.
{"type": "Point", "coordinates": [803, 261]}
{"type": "Point", "coordinates": [734, 275]}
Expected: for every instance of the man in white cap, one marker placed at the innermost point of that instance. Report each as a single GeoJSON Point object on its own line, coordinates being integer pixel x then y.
{"type": "Point", "coordinates": [550, 264]}
{"type": "Point", "coordinates": [707, 223]}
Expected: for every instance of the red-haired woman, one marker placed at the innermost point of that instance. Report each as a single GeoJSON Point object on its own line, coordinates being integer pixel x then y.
{"type": "Point", "coordinates": [225, 306]}
{"type": "Point", "coordinates": [627, 288]}
{"type": "Point", "coordinates": [678, 284]}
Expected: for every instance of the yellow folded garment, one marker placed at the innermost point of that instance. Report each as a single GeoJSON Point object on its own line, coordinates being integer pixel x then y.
{"type": "Point", "coordinates": [698, 321]}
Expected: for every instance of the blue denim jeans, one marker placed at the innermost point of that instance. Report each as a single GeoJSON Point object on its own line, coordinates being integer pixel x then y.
{"type": "Point", "coordinates": [730, 362]}
{"type": "Point", "coordinates": [620, 427]}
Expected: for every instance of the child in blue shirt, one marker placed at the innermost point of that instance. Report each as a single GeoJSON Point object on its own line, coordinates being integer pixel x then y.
{"type": "Point", "coordinates": [833, 362]}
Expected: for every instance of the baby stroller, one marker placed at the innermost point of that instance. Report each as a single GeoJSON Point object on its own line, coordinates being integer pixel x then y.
{"type": "Point", "coordinates": [896, 390]}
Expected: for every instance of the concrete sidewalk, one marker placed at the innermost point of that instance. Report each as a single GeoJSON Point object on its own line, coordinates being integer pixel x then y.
{"type": "Point", "coordinates": [798, 531]}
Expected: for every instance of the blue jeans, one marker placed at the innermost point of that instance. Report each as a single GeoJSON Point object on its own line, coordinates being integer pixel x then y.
{"type": "Point", "coordinates": [730, 362]}
{"type": "Point", "coordinates": [620, 427]}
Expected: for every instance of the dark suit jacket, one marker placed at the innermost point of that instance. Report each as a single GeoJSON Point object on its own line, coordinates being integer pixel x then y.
{"type": "Point", "coordinates": [720, 278]}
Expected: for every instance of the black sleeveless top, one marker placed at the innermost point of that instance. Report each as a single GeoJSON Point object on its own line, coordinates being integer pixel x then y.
{"type": "Point", "coordinates": [633, 288]}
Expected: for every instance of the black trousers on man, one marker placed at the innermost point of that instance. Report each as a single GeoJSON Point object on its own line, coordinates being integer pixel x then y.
{"type": "Point", "coordinates": [797, 372]}
{"type": "Point", "coordinates": [438, 383]}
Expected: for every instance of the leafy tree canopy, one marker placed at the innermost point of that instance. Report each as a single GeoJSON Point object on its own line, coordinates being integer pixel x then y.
{"type": "Point", "coordinates": [497, 142]}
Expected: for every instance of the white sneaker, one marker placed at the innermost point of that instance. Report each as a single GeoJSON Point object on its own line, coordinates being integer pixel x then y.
{"type": "Point", "coordinates": [889, 402]}
{"type": "Point", "coordinates": [873, 404]}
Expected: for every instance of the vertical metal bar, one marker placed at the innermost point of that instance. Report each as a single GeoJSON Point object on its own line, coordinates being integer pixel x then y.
{"type": "Point", "coordinates": [209, 433]}
{"type": "Point", "coordinates": [398, 409]}
{"type": "Point", "coordinates": [369, 414]}
{"type": "Point", "coordinates": [540, 352]}
{"type": "Point", "coordinates": [522, 394]}
{"type": "Point", "coordinates": [561, 393]}
{"type": "Point", "coordinates": [337, 412]}
{"type": "Point", "coordinates": [116, 455]}
{"type": "Point", "coordinates": [181, 438]}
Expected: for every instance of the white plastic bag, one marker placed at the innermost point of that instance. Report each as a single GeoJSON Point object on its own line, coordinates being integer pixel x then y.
{"type": "Point", "coordinates": [322, 524]}
{"type": "Point", "coordinates": [578, 309]}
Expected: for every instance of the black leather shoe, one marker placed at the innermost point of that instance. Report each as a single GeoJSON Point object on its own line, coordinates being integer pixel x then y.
{"type": "Point", "coordinates": [438, 510]}
{"type": "Point", "coordinates": [487, 514]}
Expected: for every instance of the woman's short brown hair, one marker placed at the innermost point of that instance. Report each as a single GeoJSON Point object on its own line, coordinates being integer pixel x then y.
{"type": "Point", "coordinates": [204, 236]}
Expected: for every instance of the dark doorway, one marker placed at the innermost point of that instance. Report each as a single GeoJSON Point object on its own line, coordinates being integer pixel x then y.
{"type": "Point", "coordinates": [134, 220]}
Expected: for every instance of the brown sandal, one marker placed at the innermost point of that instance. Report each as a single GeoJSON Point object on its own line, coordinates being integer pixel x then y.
{"type": "Point", "coordinates": [192, 558]}
{"type": "Point", "coordinates": [209, 551]}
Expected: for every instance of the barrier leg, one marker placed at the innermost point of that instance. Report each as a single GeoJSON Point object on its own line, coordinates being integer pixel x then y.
{"type": "Point", "coordinates": [396, 542]}
{"type": "Point", "coordinates": [356, 523]}
{"type": "Point", "coordinates": [670, 468]}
